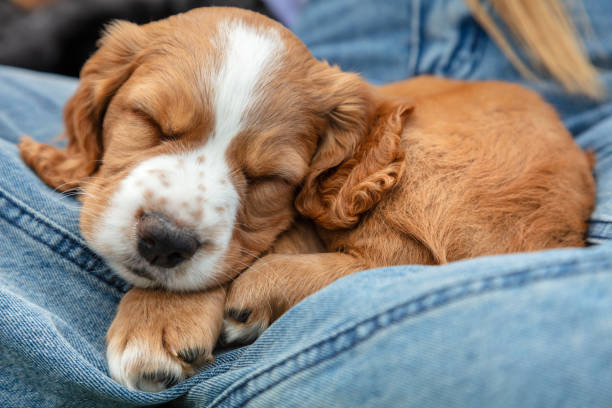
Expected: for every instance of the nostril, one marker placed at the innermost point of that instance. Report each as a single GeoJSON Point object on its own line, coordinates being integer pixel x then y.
{"type": "Point", "coordinates": [162, 243]}
{"type": "Point", "coordinates": [148, 241]}
{"type": "Point", "coordinates": [176, 257]}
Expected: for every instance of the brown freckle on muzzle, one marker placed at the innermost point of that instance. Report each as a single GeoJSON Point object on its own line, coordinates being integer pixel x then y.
{"type": "Point", "coordinates": [148, 194]}
{"type": "Point", "coordinates": [201, 159]}
{"type": "Point", "coordinates": [202, 188]}
{"type": "Point", "coordinates": [219, 209]}
{"type": "Point", "coordinates": [197, 214]}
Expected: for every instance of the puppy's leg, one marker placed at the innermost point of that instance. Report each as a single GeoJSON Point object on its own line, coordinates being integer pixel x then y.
{"type": "Point", "coordinates": [274, 284]}
{"type": "Point", "coordinates": [159, 338]}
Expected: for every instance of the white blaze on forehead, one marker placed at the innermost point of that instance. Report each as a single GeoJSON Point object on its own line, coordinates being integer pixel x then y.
{"type": "Point", "coordinates": [249, 58]}
{"type": "Point", "coordinates": [194, 187]}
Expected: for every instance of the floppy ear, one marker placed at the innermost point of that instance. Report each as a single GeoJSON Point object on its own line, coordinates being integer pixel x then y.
{"type": "Point", "coordinates": [335, 197]}
{"type": "Point", "coordinates": [346, 104]}
{"type": "Point", "coordinates": [101, 76]}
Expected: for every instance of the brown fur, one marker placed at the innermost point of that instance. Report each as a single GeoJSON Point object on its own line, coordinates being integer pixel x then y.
{"type": "Point", "coordinates": [489, 170]}
{"type": "Point", "coordinates": [360, 181]}
{"type": "Point", "coordinates": [101, 76]}
{"type": "Point", "coordinates": [425, 171]}
{"type": "Point", "coordinates": [182, 327]}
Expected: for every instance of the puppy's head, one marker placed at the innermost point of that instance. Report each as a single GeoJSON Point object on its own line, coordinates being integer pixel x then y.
{"type": "Point", "coordinates": [189, 138]}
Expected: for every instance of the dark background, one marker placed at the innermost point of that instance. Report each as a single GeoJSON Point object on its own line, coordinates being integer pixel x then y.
{"type": "Point", "coordinates": [59, 35]}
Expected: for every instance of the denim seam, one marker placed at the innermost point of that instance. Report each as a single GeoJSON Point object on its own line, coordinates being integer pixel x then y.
{"type": "Point", "coordinates": [476, 52]}
{"type": "Point", "coordinates": [354, 335]}
{"type": "Point", "coordinates": [599, 224]}
{"type": "Point", "coordinates": [65, 247]}
{"type": "Point", "coordinates": [465, 56]}
{"type": "Point", "coordinates": [16, 202]}
{"type": "Point", "coordinates": [416, 34]}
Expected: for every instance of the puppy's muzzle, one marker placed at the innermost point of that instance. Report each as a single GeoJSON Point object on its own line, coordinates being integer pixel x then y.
{"type": "Point", "coordinates": [162, 243]}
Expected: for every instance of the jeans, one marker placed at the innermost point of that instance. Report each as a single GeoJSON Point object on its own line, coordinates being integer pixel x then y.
{"type": "Point", "coordinates": [528, 330]}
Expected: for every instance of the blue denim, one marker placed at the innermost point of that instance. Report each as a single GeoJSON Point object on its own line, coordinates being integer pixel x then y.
{"type": "Point", "coordinates": [528, 330]}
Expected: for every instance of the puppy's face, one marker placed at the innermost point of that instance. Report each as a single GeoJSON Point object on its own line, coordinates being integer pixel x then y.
{"type": "Point", "coordinates": [188, 138]}
{"type": "Point", "coordinates": [201, 156]}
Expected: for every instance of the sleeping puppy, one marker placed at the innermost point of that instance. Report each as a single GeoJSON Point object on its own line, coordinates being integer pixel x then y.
{"type": "Point", "coordinates": [198, 141]}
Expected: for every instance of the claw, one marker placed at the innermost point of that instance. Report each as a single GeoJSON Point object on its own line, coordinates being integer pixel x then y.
{"type": "Point", "coordinates": [239, 315]}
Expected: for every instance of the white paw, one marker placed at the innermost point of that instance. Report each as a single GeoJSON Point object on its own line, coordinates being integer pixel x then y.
{"type": "Point", "coordinates": [141, 366]}
{"type": "Point", "coordinates": [159, 338]}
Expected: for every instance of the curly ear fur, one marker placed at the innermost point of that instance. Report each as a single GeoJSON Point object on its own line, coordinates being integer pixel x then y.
{"type": "Point", "coordinates": [358, 184]}
{"type": "Point", "coordinates": [101, 76]}
{"type": "Point", "coordinates": [344, 101]}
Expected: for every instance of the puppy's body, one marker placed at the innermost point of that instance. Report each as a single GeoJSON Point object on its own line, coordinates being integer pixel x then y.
{"type": "Point", "coordinates": [489, 170]}
{"type": "Point", "coordinates": [212, 128]}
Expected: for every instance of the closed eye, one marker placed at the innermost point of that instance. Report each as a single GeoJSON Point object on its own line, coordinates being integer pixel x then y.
{"type": "Point", "coordinates": [270, 178]}
{"type": "Point", "coordinates": [257, 179]}
{"type": "Point", "coordinates": [164, 135]}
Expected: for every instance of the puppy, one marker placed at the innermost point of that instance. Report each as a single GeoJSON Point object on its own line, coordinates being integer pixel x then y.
{"type": "Point", "coordinates": [211, 148]}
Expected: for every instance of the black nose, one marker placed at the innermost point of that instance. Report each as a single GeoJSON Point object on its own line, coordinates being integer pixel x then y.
{"type": "Point", "coordinates": [163, 243]}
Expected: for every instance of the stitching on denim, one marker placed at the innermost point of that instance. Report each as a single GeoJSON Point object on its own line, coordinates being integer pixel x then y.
{"type": "Point", "coordinates": [466, 54]}
{"type": "Point", "coordinates": [416, 34]}
{"type": "Point", "coordinates": [477, 50]}
{"type": "Point", "coordinates": [587, 121]}
{"type": "Point", "coordinates": [600, 232]}
{"type": "Point", "coordinates": [593, 222]}
{"type": "Point", "coordinates": [93, 262]}
{"type": "Point", "coordinates": [424, 303]}
{"type": "Point", "coordinates": [39, 217]}
{"type": "Point", "coordinates": [436, 298]}
{"type": "Point", "coordinates": [596, 222]}
{"type": "Point", "coordinates": [597, 237]}
{"type": "Point", "coordinates": [601, 229]}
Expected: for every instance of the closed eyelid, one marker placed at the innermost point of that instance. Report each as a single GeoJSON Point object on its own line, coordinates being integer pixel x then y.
{"type": "Point", "coordinates": [164, 133]}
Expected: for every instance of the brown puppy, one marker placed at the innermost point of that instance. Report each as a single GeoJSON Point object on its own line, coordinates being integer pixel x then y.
{"type": "Point", "coordinates": [195, 139]}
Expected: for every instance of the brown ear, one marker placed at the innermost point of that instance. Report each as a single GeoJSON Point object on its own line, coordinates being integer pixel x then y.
{"type": "Point", "coordinates": [101, 76]}
{"type": "Point", "coordinates": [336, 201]}
{"type": "Point", "coordinates": [345, 102]}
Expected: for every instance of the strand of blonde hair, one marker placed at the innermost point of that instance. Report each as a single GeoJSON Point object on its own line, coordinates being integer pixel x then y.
{"type": "Point", "coordinates": [545, 30]}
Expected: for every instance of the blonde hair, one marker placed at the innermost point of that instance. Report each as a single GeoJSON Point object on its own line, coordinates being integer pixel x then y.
{"type": "Point", "coordinates": [547, 33]}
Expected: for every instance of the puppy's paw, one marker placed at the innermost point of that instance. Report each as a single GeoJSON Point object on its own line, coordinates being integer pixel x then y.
{"type": "Point", "coordinates": [243, 326]}
{"type": "Point", "coordinates": [156, 357]}
{"type": "Point", "coordinates": [158, 338]}
{"type": "Point", "coordinates": [248, 310]}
